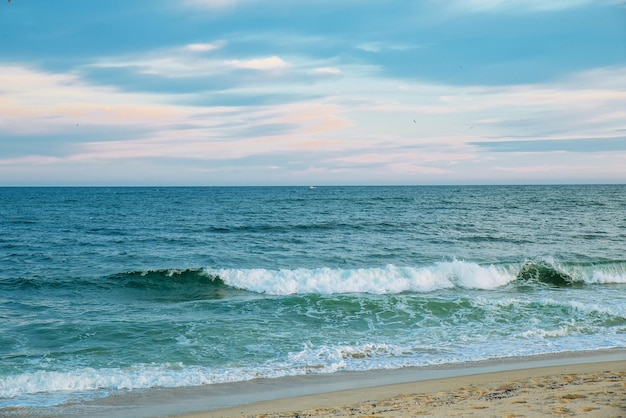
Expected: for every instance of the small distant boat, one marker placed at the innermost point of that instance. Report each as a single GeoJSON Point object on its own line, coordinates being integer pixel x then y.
{"type": "Point", "coordinates": [311, 187]}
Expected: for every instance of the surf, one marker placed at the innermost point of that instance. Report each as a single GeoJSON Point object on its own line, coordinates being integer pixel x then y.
{"type": "Point", "coordinates": [393, 279]}
{"type": "Point", "coordinates": [217, 283]}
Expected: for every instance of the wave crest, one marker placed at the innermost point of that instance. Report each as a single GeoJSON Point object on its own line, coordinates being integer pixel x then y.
{"type": "Point", "coordinates": [215, 283]}
{"type": "Point", "coordinates": [386, 280]}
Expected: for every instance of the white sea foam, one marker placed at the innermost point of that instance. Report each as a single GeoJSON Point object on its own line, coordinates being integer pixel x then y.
{"type": "Point", "coordinates": [59, 386]}
{"type": "Point", "coordinates": [594, 309]}
{"type": "Point", "coordinates": [562, 331]}
{"type": "Point", "coordinates": [582, 307]}
{"type": "Point", "coordinates": [606, 277]}
{"type": "Point", "coordinates": [47, 388]}
{"type": "Point", "coordinates": [612, 273]}
{"type": "Point", "coordinates": [386, 280]}
{"type": "Point", "coordinates": [136, 377]}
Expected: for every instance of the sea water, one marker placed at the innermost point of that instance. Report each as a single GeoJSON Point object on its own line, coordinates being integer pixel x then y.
{"type": "Point", "coordinates": [112, 290]}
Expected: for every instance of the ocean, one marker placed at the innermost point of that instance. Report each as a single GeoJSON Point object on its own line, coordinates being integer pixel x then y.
{"type": "Point", "coordinates": [105, 291]}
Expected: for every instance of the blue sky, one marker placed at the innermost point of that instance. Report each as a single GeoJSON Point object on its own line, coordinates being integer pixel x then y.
{"type": "Point", "coordinates": [302, 92]}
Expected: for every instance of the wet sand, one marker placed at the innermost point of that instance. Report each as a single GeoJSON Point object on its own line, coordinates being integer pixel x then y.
{"type": "Point", "coordinates": [570, 386]}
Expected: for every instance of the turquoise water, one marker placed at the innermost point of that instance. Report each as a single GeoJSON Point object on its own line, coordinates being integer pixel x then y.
{"type": "Point", "coordinates": [109, 290]}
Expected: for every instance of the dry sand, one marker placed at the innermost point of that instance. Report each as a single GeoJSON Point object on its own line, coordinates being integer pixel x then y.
{"type": "Point", "coordinates": [588, 390]}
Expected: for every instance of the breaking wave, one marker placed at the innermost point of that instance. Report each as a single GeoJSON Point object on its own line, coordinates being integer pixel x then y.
{"type": "Point", "coordinates": [213, 283]}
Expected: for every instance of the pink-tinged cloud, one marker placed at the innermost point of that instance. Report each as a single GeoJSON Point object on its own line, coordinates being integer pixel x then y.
{"type": "Point", "coordinates": [365, 127]}
{"type": "Point", "coordinates": [35, 101]}
{"type": "Point", "coordinates": [315, 117]}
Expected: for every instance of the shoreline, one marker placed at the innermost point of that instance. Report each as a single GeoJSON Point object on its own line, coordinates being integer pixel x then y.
{"type": "Point", "coordinates": [596, 389]}
{"type": "Point", "coordinates": [344, 391]}
{"type": "Point", "coordinates": [587, 373]}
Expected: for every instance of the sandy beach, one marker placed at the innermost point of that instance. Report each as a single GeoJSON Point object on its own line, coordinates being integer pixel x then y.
{"type": "Point", "coordinates": [582, 388]}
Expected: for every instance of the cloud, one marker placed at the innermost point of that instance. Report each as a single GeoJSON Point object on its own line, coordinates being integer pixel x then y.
{"type": "Point", "coordinates": [204, 47]}
{"type": "Point", "coordinates": [57, 100]}
{"type": "Point", "coordinates": [513, 6]}
{"type": "Point", "coordinates": [103, 123]}
{"type": "Point", "coordinates": [188, 61]}
{"type": "Point", "coordinates": [386, 46]}
{"type": "Point", "coordinates": [586, 145]}
{"type": "Point", "coordinates": [213, 4]}
{"type": "Point", "coordinates": [360, 124]}
{"type": "Point", "coordinates": [327, 71]}
{"type": "Point", "coordinates": [316, 86]}
{"type": "Point", "coordinates": [262, 64]}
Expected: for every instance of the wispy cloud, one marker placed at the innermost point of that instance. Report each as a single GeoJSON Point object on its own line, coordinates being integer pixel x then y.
{"type": "Point", "coordinates": [262, 64]}
{"type": "Point", "coordinates": [191, 60]}
{"type": "Point", "coordinates": [513, 6]}
{"type": "Point", "coordinates": [327, 71]}
{"type": "Point", "coordinates": [59, 100]}
{"type": "Point", "coordinates": [585, 145]}
{"type": "Point", "coordinates": [585, 103]}
{"type": "Point", "coordinates": [204, 47]}
{"type": "Point", "coordinates": [275, 91]}
{"type": "Point", "coordinates": [213, 4]}
{"type": "Point", "coordinates": [386, 46]}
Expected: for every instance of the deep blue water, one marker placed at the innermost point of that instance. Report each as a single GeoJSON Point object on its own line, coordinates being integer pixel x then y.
{"type": "Point", "coordinates": [105, 290]}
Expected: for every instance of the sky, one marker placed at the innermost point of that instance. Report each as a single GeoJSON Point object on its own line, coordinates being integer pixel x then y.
{"type": "Point", "coordinates": [312, 92]}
